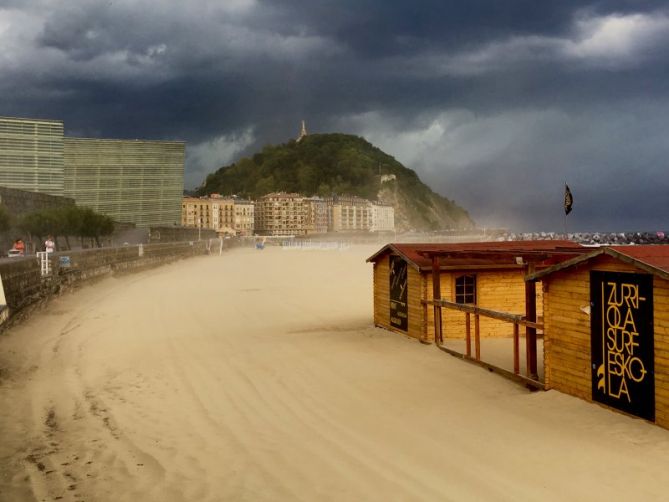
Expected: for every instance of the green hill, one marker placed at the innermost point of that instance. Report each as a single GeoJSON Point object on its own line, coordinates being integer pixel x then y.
{"type": "Point", "coordinates": [326, 164]}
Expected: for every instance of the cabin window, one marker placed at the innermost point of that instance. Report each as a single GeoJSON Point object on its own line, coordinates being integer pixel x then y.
{"type": "Point", "coordinates": [465, 289]}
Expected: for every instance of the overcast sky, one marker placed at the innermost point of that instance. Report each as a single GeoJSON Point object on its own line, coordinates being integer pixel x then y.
{"type": "Point", "coordinates": [494, 103]}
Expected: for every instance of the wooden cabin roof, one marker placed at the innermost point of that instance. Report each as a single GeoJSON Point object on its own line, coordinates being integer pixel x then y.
{"type": "Point", "coordinates": [481, 254]}
{"type": "Point", "coordinates": [653, 258]}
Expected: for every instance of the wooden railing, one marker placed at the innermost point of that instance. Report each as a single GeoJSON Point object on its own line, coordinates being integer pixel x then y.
{"type": "Point", "coordinates": [517, 321]}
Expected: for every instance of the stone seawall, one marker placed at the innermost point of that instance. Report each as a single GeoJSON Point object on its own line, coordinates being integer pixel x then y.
{"type": "Point", "coordinates": [24, 283]}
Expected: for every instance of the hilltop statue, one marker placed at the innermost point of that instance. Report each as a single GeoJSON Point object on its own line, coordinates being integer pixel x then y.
{"type": "Point", "coordinates": [303, 132]}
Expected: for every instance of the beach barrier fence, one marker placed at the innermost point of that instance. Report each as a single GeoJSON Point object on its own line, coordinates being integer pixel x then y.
{"type": "Point", "coordinates": [31, 279]}
{"type": "Point", "coordinates": [311, 245]}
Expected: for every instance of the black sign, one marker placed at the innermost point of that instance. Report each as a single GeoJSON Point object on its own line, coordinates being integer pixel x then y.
{"type": "Point", "coordinates": [399, 317]}
{"type": "Point", "coordinates": [623, 374]}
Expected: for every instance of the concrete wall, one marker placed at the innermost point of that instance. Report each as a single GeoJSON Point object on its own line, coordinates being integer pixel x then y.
{"type": "Point", "coordinates": [178, 234]}
{"type": "Point", "coordinates": [24, 285]}
{"type": "Point", "coordinates": [20, 202]}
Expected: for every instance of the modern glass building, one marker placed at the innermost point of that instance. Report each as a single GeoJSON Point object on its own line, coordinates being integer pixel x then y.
{"type": "Point", "coordinates": [31, 155]}
{"type": "Point", "coordinates": [132, 181]}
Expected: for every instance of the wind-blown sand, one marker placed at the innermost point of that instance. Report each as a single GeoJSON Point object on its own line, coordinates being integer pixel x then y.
{"type": "Point", "coordinates": [258, 376]}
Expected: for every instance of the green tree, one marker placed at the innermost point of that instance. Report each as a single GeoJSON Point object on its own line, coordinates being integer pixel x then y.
{"type": "Point", "coordinates": [34, 224]}
{"type": "Point", "coordinates": [94, 225]}
{"type": "Point", "coordinates": [5, 219]}
{"type": "Point", "coordinates": [70, 218]}
{"type": "Point", "coordinates": [67, 221]}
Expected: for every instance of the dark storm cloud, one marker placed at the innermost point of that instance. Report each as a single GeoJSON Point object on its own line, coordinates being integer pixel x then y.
{"type": "Point", "coordinates": [496, 104]}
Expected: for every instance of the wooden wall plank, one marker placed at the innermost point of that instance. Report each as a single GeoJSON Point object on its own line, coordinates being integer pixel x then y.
{"type": "Point", "coordinates": [567, 342]}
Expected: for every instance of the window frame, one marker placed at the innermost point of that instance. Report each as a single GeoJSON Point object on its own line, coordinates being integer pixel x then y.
{"type": "Point", "coordinates": [466, 294]}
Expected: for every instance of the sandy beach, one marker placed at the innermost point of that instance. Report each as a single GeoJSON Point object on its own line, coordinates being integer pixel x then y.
{"type": "Point", "coordinates": [258, 376]}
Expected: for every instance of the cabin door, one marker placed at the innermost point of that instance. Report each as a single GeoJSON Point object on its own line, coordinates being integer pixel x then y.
{"type": "Point", "coordinates": [623, 373]}
{"type": "Point", "coordinates": [399, 308]}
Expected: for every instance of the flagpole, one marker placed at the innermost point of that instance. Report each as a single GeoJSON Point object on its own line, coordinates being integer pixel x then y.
{"type": "Point", "coordinates": [565, 226]}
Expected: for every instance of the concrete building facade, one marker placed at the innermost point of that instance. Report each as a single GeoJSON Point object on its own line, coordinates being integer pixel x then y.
{"type": "Point", "coordinates": [31, 155]}
{"type": "Point", "coordinates": [347, 213]}
{"type": "Point", "coordinates": [215, 213]}
{"type": "Point", "coordinates": [316, 215]}
{"type": "Point", "coordinates": [281, 213]}
{"type": "Point", "coordinates": [244, 217]}
{"type": "Point", "coordinates": [222, 210]}
{"type": "Point", "coordinates": [383, 218]}
{"type": "Point", "coordinates": [225, 215]}
{"type": "Point", "coordinates": [194, 211]}
{"type": "Point", "coordinates": [131, 181]}
{"type": "Point", "coordinates": [20, 202]}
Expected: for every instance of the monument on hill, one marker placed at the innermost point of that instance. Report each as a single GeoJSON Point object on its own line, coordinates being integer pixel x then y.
{"type": "Point", "coordinates": [303, 132]}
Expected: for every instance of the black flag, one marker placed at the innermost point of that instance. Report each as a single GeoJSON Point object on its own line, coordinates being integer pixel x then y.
{"type": "Point", "coordinates": [568, 200]}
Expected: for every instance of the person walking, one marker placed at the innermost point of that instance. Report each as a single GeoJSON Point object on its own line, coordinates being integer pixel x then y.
{"type": "Point", "coordinates": [49, 245]}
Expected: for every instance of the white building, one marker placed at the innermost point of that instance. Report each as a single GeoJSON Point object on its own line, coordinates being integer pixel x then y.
{"type": "Point", "coordinates": [383, 218]}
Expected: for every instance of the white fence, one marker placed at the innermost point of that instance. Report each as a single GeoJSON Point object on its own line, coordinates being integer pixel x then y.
{"type": "Point", "coordinates": [309, 245]}
{"type": "Point", "coordinates": [44, 263]}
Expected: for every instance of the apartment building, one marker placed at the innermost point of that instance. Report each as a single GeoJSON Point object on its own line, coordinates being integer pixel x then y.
{"type": "Point", "coordinates": [195, 212]}
{"type": "Point", "coordinates": [244, 217]}
{"type": "Point", "coordinates": [383, 218]}
{"type": "Point", "coordinates": [316, 219]}
{"type": "Point", "coordinates": [213, 212]}
{"type": "Point", "coordinates": [348, 213]}
{"type": "Point", "coordinates": [281, 213]}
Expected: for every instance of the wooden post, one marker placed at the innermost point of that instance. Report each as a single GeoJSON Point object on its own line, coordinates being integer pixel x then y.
{"type": "Point", "coordinates": [531, 315]}
{"type": "Point", "coordinates": [477, 338]}
{"type": "Point", "coordinates": [436, 295]}
{"type": "Point", "coordinates": [468, 334]}
{"type": "Point", "coordinates": [516, 348]}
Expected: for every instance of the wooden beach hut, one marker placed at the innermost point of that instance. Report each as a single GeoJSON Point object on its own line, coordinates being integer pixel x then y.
{"type": "Point", "coordinates": [606, 328]}
{"type": "Point", "coordinates": [490, 275]}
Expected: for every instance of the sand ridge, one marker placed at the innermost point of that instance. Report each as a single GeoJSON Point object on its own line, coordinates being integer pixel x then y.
{"type": "Point", "coordinates": [257, 375]}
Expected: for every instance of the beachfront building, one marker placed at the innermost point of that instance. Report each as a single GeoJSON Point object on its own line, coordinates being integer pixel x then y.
{"type": "Point", "coordinates": [348, 213]}
{"type": "Point", "coordinates": [31, 155]}
{"type": "Point", "coordinates": [132, 181]}
{"type": "Point", "coordinates": [221, 214]}
{"type": "Point", "coordinates": [193, 212]}
{"type": "Point", "coordinates": [316, 215]}
{"type": "Point", "coordinates": [383, 218]}
{"type": "Point", "coordinates": [244, 217]}
{"type": "Point", "coordinates": [212, 212]}
{"type": "Point", "coordinates": [606, 328]}
{"type": "Point", "coordinates": [281, 213]}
